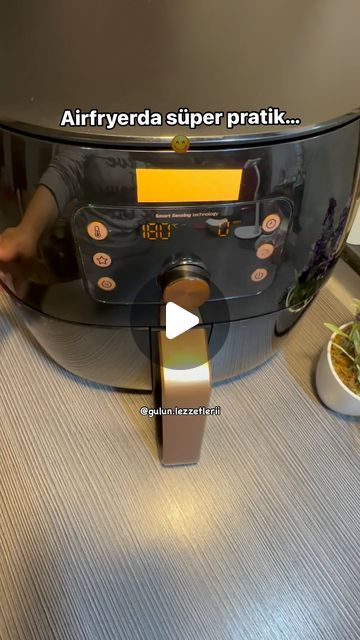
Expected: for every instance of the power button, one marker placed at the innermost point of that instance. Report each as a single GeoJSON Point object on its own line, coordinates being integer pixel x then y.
{"type": "Point", "coordinates": [106, 284]}
{"type": "Point", "coordinates": [259, 274]}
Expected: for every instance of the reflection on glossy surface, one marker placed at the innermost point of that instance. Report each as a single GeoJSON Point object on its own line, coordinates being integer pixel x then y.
{"type": "Point", "coordinates": [43, 254]}
{"type": "Point", "coordinates": [123, 358]}
{"type": "Point", "coordinates": [116, 357]}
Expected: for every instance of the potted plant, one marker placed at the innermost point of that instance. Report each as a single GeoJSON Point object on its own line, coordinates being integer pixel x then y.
{"type": "Point", "coordinates": [338, 369]}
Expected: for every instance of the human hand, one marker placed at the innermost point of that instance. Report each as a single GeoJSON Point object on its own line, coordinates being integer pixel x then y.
{"type": "Point", "coordinates": [18, 255]}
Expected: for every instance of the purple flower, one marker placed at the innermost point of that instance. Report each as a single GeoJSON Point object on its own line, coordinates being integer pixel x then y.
{"type": "Point", "coordinates": [329, 218]}
{"type": "Point", "coordinates": [323, 251]}
{"type": "Point", "coordinates": [336, 239]}
{"type": "Point", "coordinates": [318, 249]}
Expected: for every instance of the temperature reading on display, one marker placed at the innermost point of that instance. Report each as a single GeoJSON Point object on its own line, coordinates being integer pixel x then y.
{"type": "Point", "coordinates": [156, 231]}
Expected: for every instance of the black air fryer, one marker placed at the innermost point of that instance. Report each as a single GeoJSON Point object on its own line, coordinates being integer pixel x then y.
{"type": "Point", "coordinates": [103, 228]}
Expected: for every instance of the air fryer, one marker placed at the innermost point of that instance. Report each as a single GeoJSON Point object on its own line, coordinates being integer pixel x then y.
{"type": "Point", "coordinates": [242, 230]}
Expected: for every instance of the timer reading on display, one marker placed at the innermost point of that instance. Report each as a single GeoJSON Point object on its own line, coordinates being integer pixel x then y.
{"type": "Point", "coordinates": [164, 230]}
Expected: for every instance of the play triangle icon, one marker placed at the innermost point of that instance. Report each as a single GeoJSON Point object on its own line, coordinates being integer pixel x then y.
{"type": "Point", "coordinates": [178, 320]}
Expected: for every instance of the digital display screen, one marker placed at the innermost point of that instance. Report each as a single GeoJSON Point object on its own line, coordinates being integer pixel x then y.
{"type": "Point", "coordinates": [166, 230]}
{"type": "Point", "coordinates": [188, 185]}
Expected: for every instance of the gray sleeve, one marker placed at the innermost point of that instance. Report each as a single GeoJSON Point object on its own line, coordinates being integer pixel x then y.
{"type": "Point", "coordinates": [64, 175]}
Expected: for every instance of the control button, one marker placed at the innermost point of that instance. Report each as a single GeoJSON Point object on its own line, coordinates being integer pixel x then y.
{"type": "Point", "coordinates": [259, 274]}
{"type": "Point", "coordinates": [271, 222]}
{"type": "Point", "coordinates": [97, 230]}
{"type": "Point", "coordinates": [107, 284]}
{"type": "Point", "coordinates": [264, 251]}
{"type": "Point", "coordinates": [185, 282]}
{"type": "Point", "coordinates": [102, 260]}
{"type": "Point", "coordinates": [188, 293]}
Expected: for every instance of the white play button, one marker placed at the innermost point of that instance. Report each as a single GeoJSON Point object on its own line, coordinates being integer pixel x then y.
{"type": "Point", "coordinates": [178, 320]}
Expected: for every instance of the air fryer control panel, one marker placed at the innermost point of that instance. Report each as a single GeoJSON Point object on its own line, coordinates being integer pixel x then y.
{"type": "Point", "coordinates": [123, 250]}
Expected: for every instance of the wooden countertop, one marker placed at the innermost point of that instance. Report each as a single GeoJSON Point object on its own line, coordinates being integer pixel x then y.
{"type": "Point", "coordinates": [260, 541]}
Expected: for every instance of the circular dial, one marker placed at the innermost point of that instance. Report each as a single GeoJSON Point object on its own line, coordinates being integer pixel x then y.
{"type": "Point", "coordinates": [186, 284]}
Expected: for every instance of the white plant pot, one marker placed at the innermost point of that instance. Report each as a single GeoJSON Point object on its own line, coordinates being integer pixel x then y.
{"type": "Point", "coordinates": [332, 391]}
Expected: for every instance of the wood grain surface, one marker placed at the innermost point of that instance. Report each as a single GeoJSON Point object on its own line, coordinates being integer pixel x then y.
{"type": "Point", "coordinates": [260, 541]}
